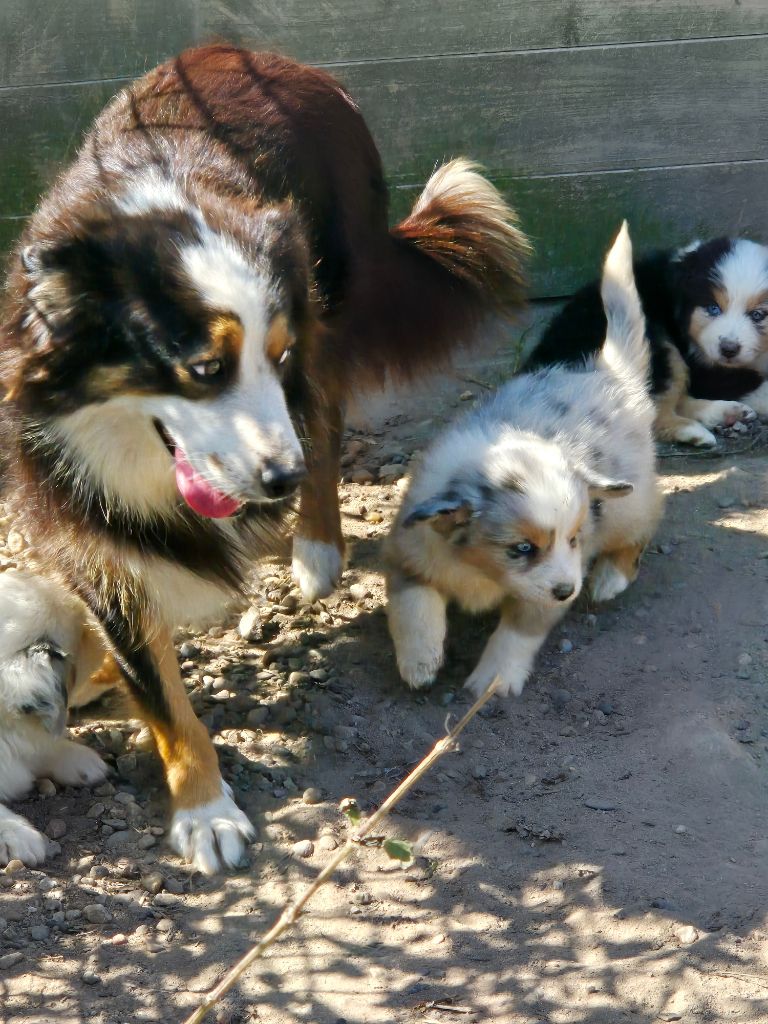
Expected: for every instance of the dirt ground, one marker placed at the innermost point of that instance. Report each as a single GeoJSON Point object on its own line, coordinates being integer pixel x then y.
{"type": "Point", "coordinates": [597, 852]}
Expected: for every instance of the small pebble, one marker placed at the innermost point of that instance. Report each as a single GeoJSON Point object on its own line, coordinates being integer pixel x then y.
{"type": "Point", "coordinates": [686, 934]}
{"type": "Point", "coordinates": [327, 843]}
{"type": "Point", "coordinates": [599, 804]}
{"type": "Point", "coordinates": [361, 476]}
{"type": "Point", "coordinates": [680, 830]}
{"type": "Point", "coordinates": [90, 977]}
{"type": "Point", "coordinates": [152, 883]}
{"type": "Point", "coordinates": [726, 502]}
{"type": "Point", "coordinates": [312, 796]}
{"type": "Point", "coordinates": [39, 933]}
{"type": "Point", "coordinates": [189, 650]}
{"type": "Point", "coordinates": [46, 788]}
{"type": "Point", "coordinates": [249, 626]}
{"type": "Point", "coordinates": [165, 899]}
{"type": "Point", "coordinates": [560, 698]}
{"type": "Point", "coordinates": [94, 913]}
{"type": "Point", "coordinates": [57, 828]}
{"type": "Point", "coordinates": [304, 848]}
{"type": "Point", "coordinates": [358, 592]}
{"type": "Point", "coordinates": [565, 646]}
{"type": "Point", "coordinates": [13, 866]}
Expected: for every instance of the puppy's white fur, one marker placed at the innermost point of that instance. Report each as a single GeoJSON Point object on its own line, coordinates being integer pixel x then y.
{"type": "Point", "coordinates": [502, 510]}
{"type": "Point", "coordinates": [41, 631]}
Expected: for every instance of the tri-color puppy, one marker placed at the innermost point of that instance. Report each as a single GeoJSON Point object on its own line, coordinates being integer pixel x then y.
{"type": "Point", "coordinates": [552, 477]}
{"type": "Point", "coordinates": [43, 633]}
{"type": "Point", "coordinates": [706, 309]}
{"type": "Point", "coordinates": [185, 316]}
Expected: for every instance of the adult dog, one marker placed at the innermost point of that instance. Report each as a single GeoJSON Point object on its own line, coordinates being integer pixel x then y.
{"type": "Point", "coordinates": [199, 290]}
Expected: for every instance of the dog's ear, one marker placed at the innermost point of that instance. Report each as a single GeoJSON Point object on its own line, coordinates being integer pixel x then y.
{"type": "Point", "coordinates": [446, 513]}
{"type": "Point", "coordinates": [601, 487]}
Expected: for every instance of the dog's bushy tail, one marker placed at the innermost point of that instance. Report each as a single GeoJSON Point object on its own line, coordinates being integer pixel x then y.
{"type": "Point", "coordinates": [455, 262]}
{"type": "Point", "coordinates": [626, 352]}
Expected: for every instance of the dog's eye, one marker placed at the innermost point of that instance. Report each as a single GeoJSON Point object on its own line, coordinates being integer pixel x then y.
{"type": "Point", "coordinates": [757, 315]}
{"type": "Point", "coordinates": [574, 542]}
{"type": "Point", "coordinates": [521, 550]}
{"type": "Point", "coordinates": [206, 369]}
{"type": "Point", "coordinates": [713, 309]}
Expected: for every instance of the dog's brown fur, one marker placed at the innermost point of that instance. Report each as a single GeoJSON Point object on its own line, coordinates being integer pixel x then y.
{"type": "Point", "coordinates": [276, 157]}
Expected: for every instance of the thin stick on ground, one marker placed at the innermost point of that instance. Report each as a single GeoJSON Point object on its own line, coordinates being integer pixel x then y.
{"type": "Point", "coordinates": [292, 912]}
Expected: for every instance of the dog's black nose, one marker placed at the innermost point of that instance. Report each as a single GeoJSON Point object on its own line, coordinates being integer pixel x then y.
{"type": "Point", "coordinates": [280, 481]}
{"type": "Point", "coordinates": [562, 591]}
{"type": "Point", "coordinates": [729, 348]}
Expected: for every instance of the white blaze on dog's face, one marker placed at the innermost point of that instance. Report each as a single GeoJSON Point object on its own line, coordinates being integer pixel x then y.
{"type": "Point", "coordinates": [524, 523]}
{"type": "Point", "coordinates": [724, 288]}
{"type": "Point", "coordinates": [170, 351]}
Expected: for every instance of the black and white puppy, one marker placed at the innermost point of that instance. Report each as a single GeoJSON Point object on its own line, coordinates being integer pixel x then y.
{"type": "Point", "coordinates": [706, 309]}
{"type": "Point", "coordinates": [42, 631]}
{"type": "Point", "coordinates": [514, 504]}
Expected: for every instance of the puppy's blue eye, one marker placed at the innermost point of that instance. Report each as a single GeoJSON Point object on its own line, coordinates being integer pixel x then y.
{"type": "Point", "coordinates": [713, 309]}
{"type": "Point", "coordinates": [521, 550]}
{"type": "Point", "coordinates": [757, 315]}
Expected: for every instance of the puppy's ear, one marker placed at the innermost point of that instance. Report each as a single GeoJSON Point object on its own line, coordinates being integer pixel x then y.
{"type": "Point", "coordinates": [601, 487]}
{"type": "Point", "coordinates": [445, 513]}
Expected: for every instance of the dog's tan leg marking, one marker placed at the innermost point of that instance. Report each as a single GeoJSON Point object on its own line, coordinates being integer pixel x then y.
{"type": "Point", "coordinates": [318, 547]}
{"type": "Point", "coordinates": [208, 827]}
{"type": "Point", "coordinates": [669, 425]}
{"type": "Point", "coordinates": [613, 571]}
{"type": "Point", "coordinates": [512, 649]}
{"type": "Point", "coordinates": [188, 755]}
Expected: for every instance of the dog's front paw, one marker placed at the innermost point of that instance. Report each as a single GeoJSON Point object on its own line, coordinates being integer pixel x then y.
{"type": "Point", "coordinates": [692, 432]}
{"type": "Point", "coordinates": [317, 567]}
{"type": "Point", "coordinates": [606, 581]}
{"type": "Point", "coordinates": [725, 414]}
{"type": "Point", "coordinates": [212, 834]}
{"type": "Point", "coordinates": [509, 682]}
{"type": "Point", "coordinates": [419, 666]}
{"type": "Point", "coordinates": [19, 840]}
{"type": "Point", "coordinates": [73, 764]}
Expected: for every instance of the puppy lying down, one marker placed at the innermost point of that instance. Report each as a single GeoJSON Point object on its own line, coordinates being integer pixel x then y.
{"type": "Point", "coordinates": [42, 630]}
{"type": "Point", "coordinates": [551, 479]}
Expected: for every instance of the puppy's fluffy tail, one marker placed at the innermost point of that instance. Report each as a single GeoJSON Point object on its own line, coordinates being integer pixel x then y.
{"type": "Point", "coordinates": [457, 260]}
{"type": "Point", "coordinates": [626, 352]}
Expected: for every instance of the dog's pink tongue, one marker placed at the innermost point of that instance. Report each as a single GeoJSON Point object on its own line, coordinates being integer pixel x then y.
{"type": "Point", "coordinates": [198, 494]}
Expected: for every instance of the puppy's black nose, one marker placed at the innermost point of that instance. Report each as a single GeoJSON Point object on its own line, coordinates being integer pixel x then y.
{"type": "Point", "coordinates": [280, 481]}
{"type": "Point", "coordinates": [729, 348]}
{"type": "Point", "coordinates": [562, 591]}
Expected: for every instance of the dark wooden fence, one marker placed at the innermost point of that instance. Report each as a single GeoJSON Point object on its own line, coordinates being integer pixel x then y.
{"type": "Point", "coordinates": [583, 111]}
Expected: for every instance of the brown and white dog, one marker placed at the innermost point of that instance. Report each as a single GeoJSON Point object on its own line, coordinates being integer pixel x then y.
{"type": "Point", "coordinates": [185, 315]}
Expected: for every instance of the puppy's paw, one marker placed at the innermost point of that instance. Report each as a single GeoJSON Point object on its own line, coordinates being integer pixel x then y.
{"type": "Point", "coordinates": [419, 666]}
{"type": "Point", "coordinates": [725, 414]}
{"type": "Point", "coordinates": [212, 835]}
{"type": "Point", "coordinates": [19, 840]}
{"type": "Point", "coordinates": [696, 434]}
{"type": "Point", "coordinates": [73, 764]}
{"type": "Point", "coordinates": [510, 682]}
{"type": "Point", "coordinates": [317, 567]}
{"type": "Point", "coordinates": [606, 581]}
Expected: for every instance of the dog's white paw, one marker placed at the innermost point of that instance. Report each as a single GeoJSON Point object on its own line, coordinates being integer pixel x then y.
{"type": "Point", "coordinates": [20, 840]}
{"type": "Point", "coordinates": [696, 434]}
{"type": "Point", "coordinates": [606, 581]}
{"type": "Point", "coordinates": [725, 414]}
{"type": "Point", "coordinates": [510, 682]}
{"type": "Point", "coordinates": [73, 764]}
{"type": "Point", "coordinates": [419, 666]}
{"type": "Point", "coordinates": [212, 834]}
{"type": "Point", "coordinates": [317, 567]}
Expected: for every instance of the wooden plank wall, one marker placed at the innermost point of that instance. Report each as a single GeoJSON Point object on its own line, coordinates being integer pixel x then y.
{"type": "Point", "coordinates": [583, 111]}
